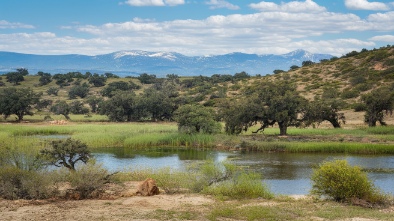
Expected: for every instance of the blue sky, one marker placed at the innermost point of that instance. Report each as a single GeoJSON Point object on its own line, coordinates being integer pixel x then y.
{"type": "Point", "coordinates": [194, 27]}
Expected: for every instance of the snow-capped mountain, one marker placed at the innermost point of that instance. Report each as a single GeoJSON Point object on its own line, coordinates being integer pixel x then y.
{"type": "Point", "coordinates": [135, 62]}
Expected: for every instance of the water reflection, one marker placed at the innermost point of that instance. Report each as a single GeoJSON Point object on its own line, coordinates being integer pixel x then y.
{"type": "Point", "coordinates": [284, 173]}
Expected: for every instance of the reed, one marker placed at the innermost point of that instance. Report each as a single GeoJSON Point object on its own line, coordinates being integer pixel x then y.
{"type": "Point", "coordinates": [324, 147]}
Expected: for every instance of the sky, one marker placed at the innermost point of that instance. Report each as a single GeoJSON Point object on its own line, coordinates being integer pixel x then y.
{"type": "Point", "coordinates": [194, 27]}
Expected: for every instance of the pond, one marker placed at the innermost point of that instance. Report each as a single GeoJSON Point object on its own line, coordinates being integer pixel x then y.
{"type": "Point", "coordinates": [285, 173]}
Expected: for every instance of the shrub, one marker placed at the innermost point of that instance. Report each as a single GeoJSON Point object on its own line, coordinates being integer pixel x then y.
{"type": "Point", "coordinates": [242, 185]}
{"type": "Point", "coordinates": [342, 182]}
{"type": "Point", "coordinates": [53, 91]}
{"type": "Point", "coordinates": [16, 183]}
{"type": "Point", "coordinates": [89, 180]}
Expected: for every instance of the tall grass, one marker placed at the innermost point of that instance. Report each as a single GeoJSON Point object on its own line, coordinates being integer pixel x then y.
{"type": "Point", "coordinates": [322, 147]}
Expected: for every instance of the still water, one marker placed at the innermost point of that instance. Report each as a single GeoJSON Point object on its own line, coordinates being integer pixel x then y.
{"type": "Point", "coordinates": [284, 173]}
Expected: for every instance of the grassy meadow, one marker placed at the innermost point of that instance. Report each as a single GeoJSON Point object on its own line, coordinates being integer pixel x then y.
{"type": "Point", "coordinates": [96, 134]}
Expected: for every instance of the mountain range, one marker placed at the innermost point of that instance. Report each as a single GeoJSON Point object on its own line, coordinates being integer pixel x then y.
{"type": "Point", "coordinates": [135, 62]}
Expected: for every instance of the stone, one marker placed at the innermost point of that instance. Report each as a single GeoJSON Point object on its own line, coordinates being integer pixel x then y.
{"type": "Point", "coordinates": [148, 188]}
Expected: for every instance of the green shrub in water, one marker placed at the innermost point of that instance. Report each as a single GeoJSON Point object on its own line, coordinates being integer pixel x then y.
{"type": "Point", "coordinates": [244, 185]}
{"type": "Point", "coordinates": [342, 182]}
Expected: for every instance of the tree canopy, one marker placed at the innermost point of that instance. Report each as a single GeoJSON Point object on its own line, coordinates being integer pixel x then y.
{"type": "Point", "coordinates": [18, 101]}
{"type": "Point", "coordinates": [192, 118]}
{"type": "Point", "coordinates": [378, 103]}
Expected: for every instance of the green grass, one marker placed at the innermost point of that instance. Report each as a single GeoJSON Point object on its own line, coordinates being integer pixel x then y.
{"type": "Point", "coordinates": [148, 135]}
{"type": "Point", "coordinates": [323, 147]}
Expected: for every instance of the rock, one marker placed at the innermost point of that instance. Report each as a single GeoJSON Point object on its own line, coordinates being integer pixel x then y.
{"type": "Point", "coordinates": [148, 188]}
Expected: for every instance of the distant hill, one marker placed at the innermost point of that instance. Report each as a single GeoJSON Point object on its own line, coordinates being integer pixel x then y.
{"type": "Point", "coordinates": [347, 77]}
{"type": "Point", "coordinates": [126, 63]}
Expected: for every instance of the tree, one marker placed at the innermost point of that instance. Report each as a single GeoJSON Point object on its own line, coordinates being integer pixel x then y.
{"type": "Point", "coordinates": [97, 80]}
{"type": "Point", "coordinates": [307, 63]}
{"type": "Point", "coordinates": [278, 71]}
{"type": "Point", "coordinates": [294, 67]}
{"type": "Point", "coordinates": [78, 90]}
{"type": "Point", "coordinates": [378, 103]}
{"type": "Point", "coordinates": [115, 86]}
{"type": "Point", "coordinates": [53, 90]}
{"type": "Point", "coordinates": [282, 105]}
{"type": "Point", "coordinates": [321, 110]}
{"type": "Point", "coordinates": [120, 108]}
{"type": "Point", "coordinates": [45, 78]}
{"type": "Point", "coordinates": [16, 77]}
{"type": "Point", "coordinates": [94, 102]}
{"type": "Point", "coordinates": [61, 107]}
{"type": "Point", "coordinates": [192, 118]}
{"type": "Point", "coordinates": [66, 153]}
{"type": "Point", "coordinates": [241, 75]}
{"type": "Point", "coordinates": [77, 107]}
{"type": "Point", "coordinates": [147, 78]}
{"type": "Point", "coordinates": [239, 115]}
{"type": "Point", "coordinates": [18, 101]}
{"type": "Point", "coordinates": [269, 103]}
{"type": "Point", "coordinates": [63, 80]}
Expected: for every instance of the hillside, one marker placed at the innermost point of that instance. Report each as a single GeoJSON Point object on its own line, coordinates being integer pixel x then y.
{"type": "Point", "coordinates": [347, 78]}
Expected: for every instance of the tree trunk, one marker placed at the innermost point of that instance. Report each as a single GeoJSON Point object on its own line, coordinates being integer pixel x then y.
{"type": "Point", "coordinates": [66, 116]}
{"type": "Point", "coordinates": [282, 128]}
{"type": "Point", "coordinates": [335, 123]}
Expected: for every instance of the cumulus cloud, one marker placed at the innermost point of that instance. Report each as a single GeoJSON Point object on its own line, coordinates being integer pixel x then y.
{"type": "Point", "coordinates": [365, 5]}
{"type": "Point", "coordinates": [222, 4]}
{"type": "Point", "coordinates": [154, 2]}
{"type": "Point", "coordinates": [383, 38]}
{"type": "Point", "coordinates": [294, 6]}
{"type": "Point", "coordinates": [14, 25]}
{"type": "Point", "coordinates": [276, 31]}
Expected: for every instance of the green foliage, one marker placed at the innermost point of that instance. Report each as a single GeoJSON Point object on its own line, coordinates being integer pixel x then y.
{"type": "Point", "coordinates": [97, 80]}
{"type": "Point", "coordinates": [61, 107]}
{"type": "Point", "coordinates": [147, 78]}
{"type": "Point", "coordinates": [278, 71]}
{"type": "Point", "coordinates": [63, 79]}
{"type": "Point", "coordinates": [321, 110]}
{"type": "Point", "coordinates": [66, 153]}
{"type": "Point", "coordinates": [45, 78]}
{"type": "Point", "coordinates": [77, 107]}
{"type": "Point", "coordinates": [350, 93]}
{"type": "Point", "coordinates": [16, 183]}
{"type": "Point", "coordinates": [18, 101]}
{"type": "Point", "coordinates": [94, 102]}
{"type": "Point", "coordinates": [89, 180]}
{"type": "Point", "coordinates": [53, 91]}
{"type": "Point", "coordinates": [118, 85]}
{"type": "Point", "coordinates": [16, 77]}
{"type": "Point", "coordinates": [307, 63]}
{"type": "Point", "coordinates": [121, 107]}
{"type": "Point", "coordinates": [342, 182]}
{"type": "Point", "coordinates": [241, 75]}
{"type": "Point", "coordinates": [378, 103]}
{"type": "Point", "coordinates": [196, 119]}
{"type": "Point", "coordinates": [78, 91]}
{"type": "Point", "coordinates": [227, 180]}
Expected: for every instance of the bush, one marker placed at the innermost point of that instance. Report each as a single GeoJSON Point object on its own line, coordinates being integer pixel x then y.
{"type": "Point", "coordinates": [21, 184]}
{"type": "Point", "coordinates": [342, 182]}
{"type": "Point", "coordinates": [243, 185]}
{"type": "Point", "coordinates": [89, 180]}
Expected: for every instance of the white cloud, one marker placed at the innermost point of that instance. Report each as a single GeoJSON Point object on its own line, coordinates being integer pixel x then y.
{"type": "Point", "coordinates": [273, 31]}
{"type": "Point", "coordinates": [174, 2]}
{"type": "Point", "coordinates": [154, 2]}
{"type": "Point", "coordinates": [383, 38]}
{"type": "Point", "coordinates": [365, 5]}
{"type": "Point", "coordinates": [14, 25]}
{"type": "Point", "coordinates": [222, 4]}
{"type": "Point", "coordinates": [294, 6]}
